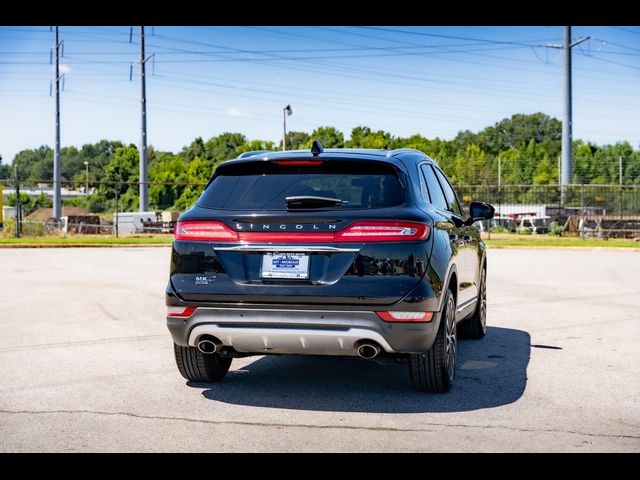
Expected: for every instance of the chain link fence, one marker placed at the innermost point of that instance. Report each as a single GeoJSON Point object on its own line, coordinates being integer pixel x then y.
{"type": "Point", "coordinates": [91, 208]}
{"type": "Point", "coordinates": [603, 211]}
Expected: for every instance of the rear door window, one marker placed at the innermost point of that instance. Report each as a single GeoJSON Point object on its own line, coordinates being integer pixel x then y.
{"type": "Point", "coordinates": [436, 195]}
{"type": "Point", "coordinates": [452, 200]}
{"type": "Point", "coordinates": [265, 185]}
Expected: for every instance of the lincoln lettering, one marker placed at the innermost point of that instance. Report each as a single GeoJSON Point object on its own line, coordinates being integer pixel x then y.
{"type": "Point", "coordinates": [284, 226]}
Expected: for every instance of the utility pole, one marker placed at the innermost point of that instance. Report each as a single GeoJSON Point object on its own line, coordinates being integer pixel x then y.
{"type": "Point", "coordinates": [286, 111]}
{"type": "Point", "coordinates": [86, 178]}
{"type": "Point", "coordinates": [499, 172]}
{"type": "Point", "coordinates": [57, 200]}
{"type": "Point", "coordinates": [144, 180]}
{"type": "Point", "coordinates": [567, 154]}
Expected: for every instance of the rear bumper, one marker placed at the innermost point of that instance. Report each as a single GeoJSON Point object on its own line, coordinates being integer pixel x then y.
{"type": "Point", "coordinates": [312, 332]}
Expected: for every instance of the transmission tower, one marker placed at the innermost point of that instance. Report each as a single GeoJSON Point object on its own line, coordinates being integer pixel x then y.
{"type": "Point", "coordinates": [567, 153]}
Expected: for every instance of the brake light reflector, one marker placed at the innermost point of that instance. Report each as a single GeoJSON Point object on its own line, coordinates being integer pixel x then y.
{"type": "Point", "coordinates": [180, 312]}
{"type": "Point", "coordinates": [405, 316]}
{"type": "Point", "coordinates": [383, 231]}
{"type": "Point", "coordinates": [210, 231]}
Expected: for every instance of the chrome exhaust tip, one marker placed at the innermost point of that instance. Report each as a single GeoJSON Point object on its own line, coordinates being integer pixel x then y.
{"type": "Point", "coordinates": [209, 345]}
{"type": "Point", "coordinates": [368, 350]}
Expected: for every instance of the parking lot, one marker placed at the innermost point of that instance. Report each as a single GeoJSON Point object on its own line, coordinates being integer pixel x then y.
{"type": "Point", "coordinates": [87, 365]}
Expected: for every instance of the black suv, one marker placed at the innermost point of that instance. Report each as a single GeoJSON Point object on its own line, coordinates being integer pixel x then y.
{"type": "Point", "coordinates": [327, 252]}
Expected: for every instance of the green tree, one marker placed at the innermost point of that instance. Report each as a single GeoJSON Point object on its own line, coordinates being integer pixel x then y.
{"type": "Point", "coordinates": [545, 173]}
{"type": "Point", "coordinates": [511, 162]}
{"type": "Point", "coordinates": [470, 166]}
{"type": "Point", "coordinates": [364, 137]}
{"type": "Point", "coordinates": [122, 174]}
{"type": "Point", "coordinates": [5, 172]}
{"type": "Point", "coordinates": [582, 162]}
{"type": "Point", "coordinates": [168, 178]}
{"type": "Point", "coordinates": [295, 140]}
{"type": "Point", "coordinates": [517, 132]}
{"type": "Point", "coordinates": [35, 164]}
{"type": "Point", "coordinates": [199, 172]}
{"type": "Point", "coordinates": [330, 137]}
{"type": "Point", "coordinates": [25, 199]}
{"type": "Point", "coordinates": [195, 149]}
{"type": "Point", "coordinates": [29, 204]}
{"type": "Point", "coordinates": [225, 146]}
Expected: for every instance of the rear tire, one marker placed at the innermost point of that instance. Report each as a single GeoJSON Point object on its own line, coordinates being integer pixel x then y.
{"type": "Point", "coordinates": [434, 371]}
{"type": "Point", "coordinates": [200, 367]}
{"type": "Point", "coordinates": [476, 325]}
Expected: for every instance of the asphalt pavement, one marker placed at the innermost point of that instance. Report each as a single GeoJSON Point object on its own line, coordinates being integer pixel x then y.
{"type": "Point", "coordinates": [86, 364]}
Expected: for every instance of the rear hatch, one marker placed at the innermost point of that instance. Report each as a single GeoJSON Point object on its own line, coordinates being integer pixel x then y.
{"type": "Point", "coordinates": [301, 231]}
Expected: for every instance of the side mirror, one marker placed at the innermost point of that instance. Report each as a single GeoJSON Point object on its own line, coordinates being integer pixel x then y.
{"type": "Point", "coordinates": [479, 211]}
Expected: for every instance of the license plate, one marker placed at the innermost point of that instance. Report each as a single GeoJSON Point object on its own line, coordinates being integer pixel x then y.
{"type": "Point", "coordinates": [285, 265]}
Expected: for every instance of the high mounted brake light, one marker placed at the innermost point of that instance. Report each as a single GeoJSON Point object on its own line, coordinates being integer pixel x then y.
{"type": "Point", "coordinates": [300, 163]}
{"type": "Point", "coordinates": [359, 232]}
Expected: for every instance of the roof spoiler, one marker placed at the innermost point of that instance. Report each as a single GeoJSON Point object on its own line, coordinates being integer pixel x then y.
{"type": "Point", "coordinates": [253, 153]}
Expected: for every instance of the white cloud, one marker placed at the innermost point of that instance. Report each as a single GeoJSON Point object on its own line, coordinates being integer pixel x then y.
{"type": "Point", "coordinates": [235, 112]}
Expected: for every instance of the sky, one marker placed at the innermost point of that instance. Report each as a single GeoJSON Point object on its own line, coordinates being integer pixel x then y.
{"type": "Point", "coordinates": [203, 81]}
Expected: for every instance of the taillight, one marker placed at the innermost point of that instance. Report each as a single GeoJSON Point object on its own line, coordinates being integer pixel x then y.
{"type": "Point", "coordinates": [180, 312]}
{"type": "Point", "coordinates": [383, 231]}
{"type": "Point", "coordinates": [405, 316]}
{"type": "Point", "coordinates": [209, 231]}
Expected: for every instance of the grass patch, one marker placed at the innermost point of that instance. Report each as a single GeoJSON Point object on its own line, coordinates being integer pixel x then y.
{"type": "Point", "coordinates": [497, 240]}
{"type": "Point", "coordinates": [87, 240]}
{"type": "Point", "coordinates": [510, 240]}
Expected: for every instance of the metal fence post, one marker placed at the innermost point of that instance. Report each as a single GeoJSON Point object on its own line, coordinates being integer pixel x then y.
{"type": "Point", "coordinates": [16, 193]}
{"type": "Point", "coordinates": [621, 202]}
{"type": "Point", "coordinates": [582, 210]}
{"type": "Point", "coordinates": [117, 191]}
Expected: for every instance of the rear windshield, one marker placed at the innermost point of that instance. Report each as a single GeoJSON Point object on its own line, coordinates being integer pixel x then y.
{"type": "Point", "coordinates": [265, 185]}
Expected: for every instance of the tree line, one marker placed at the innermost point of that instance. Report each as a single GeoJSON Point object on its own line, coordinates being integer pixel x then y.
{"type": "Point", "coordinates": [527, 147]}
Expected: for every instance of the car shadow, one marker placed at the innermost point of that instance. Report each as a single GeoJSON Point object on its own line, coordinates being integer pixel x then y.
{"type": "Point", "coordinates": [491, 372]}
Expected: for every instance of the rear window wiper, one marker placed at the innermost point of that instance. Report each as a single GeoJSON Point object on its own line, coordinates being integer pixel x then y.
{"type": "Point", "coordinates": [305, 201]}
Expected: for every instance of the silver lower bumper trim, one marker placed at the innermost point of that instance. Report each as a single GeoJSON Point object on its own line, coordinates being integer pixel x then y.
{"type": "Point", "coordinates": [283, 340]}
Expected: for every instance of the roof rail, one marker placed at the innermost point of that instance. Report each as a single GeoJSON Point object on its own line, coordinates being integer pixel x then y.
{"type": "Point", "coordinates": [396, 151]}
{"type": "Point", "coordinates": [253, 152]}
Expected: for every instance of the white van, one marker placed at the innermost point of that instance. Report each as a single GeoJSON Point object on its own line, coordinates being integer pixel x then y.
{"type": "Point", "coordinates": [535, 224]}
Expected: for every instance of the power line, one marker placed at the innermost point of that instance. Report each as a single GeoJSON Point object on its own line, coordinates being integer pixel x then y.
{"type": "Point", "coordinates": [453, 37]}
{"type": "Point", "coordinates": [624, 29]}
